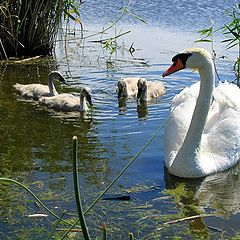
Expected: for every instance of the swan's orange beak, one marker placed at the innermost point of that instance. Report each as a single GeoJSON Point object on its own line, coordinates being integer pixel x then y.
{"type": "Point", "coordinates": [176, 66]}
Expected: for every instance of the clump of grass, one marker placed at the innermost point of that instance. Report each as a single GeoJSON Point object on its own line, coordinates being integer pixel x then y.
{"type": "Point", "coordinates": [29, 28]}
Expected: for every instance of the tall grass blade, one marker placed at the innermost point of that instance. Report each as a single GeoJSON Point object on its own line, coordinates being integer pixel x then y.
{"type": "Point", "coordinates": [77, 192]}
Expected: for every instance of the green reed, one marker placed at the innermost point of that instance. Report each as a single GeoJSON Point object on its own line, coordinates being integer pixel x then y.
{"type": "Point", "coordinates": [77, 192]}
{"type": "Point", "coordinates": [29, 27]}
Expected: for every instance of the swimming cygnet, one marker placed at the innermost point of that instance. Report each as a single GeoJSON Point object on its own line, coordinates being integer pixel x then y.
{"type": "Point", "coordinates": [37, 90]}
{"type": "Point", "coordinates": [127, 87]}
{"type": "Point", "coordinates": [69, 102]}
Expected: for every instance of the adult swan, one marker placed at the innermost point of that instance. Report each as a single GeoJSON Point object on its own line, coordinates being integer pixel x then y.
{"type": "Point", "coordinates": [202, 134]}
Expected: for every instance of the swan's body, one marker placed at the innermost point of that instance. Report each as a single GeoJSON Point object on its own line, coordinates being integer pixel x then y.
{"type": "Point", "coordinates": [69, 102]}
{"type": "Point", "coordinates": [127, 87]}
{"type": "Point", "coordinates": [36, 90]}
{"type": "Point", "coordinates": [202, 134]}
{"type": "Point", "coordinates": [149, 90]}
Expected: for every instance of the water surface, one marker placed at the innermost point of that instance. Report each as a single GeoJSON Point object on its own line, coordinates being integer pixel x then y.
{"type": "Point", "coordinates": [35, 143]}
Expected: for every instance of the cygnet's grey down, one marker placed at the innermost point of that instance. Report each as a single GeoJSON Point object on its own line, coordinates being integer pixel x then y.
{"type": "Point", "coordinates": [36, 90]}
{"type": "Point", "coordinates": [69, 102]}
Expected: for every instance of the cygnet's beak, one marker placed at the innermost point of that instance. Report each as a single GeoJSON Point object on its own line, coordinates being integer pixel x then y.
{"type": "Point", "coordinates": [63, 80]}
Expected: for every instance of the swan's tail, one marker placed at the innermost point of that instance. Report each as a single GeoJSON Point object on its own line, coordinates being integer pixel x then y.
{"type": "Point", "coordinates": [17, 86]}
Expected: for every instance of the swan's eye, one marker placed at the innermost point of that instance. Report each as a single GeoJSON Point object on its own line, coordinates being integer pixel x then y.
{"type": "Point", "coordinates": [183, 58]}
{"type": "Point", "coordinates": [175, 58]}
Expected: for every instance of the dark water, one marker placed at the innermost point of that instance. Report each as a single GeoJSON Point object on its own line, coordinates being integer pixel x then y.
{"type": "Point", "coordinates": [36, 147]}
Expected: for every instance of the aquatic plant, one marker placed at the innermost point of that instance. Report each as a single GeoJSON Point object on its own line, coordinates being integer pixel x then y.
{"type": "Point", "coordinates": [183, 197]}
{"type": "Point", "coordinates": [111, 44]}
{"type": "Point", "coordinates": [231, 32]}
{"type": "Point", "coordinates": [29, 28]}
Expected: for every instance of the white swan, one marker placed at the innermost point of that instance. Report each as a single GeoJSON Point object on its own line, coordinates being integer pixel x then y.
{"type": "Point", "coordinates": [36, 90]}
{"type": "Point", "coordinates": [127, 87]}
{"type": "Point", "coordinates": [148, 90]}
{"type": "Point", "coordinates": [69, 102]}
{"type": "Point", "coordinates": [202, 134]}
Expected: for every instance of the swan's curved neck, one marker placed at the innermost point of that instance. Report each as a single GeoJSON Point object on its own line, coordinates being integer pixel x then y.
{"type": "Point", "coordinates": [188, 152]}
{"type": "Point", "coordinates": [83, 105]}
{"type": "Point", "coordinates": [51, 86]}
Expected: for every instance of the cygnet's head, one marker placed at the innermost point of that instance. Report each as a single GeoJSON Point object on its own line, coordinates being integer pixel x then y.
{"type": "Point", "coordinates": [142, 90]}
{"type": "Point", "coordinates": [87, 94]}
{"type": "Point", "coordinates": [194, 58]}
{"type": "Point", "coordinates": [56, 75]}
{"type": "Point", "coordinates": [122, 89]}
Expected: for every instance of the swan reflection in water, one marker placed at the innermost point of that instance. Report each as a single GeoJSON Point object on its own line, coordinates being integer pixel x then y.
{"type": "Point", "coordinates": [217, 194]}
{"type": "Point", "coordinates": [142, 110]}
{"type": "Point", "coordinates": [122, 105]}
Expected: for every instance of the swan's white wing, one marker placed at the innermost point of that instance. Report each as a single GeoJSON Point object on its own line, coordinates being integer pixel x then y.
{"type": "Point", "coordinates": [227, 95]}
{"type": "Point", "coordinates": [221, 139]}
{"type": "Point", "coordinates": [220, 147]}
{"type": "Point", "coordinates": [179, 120]}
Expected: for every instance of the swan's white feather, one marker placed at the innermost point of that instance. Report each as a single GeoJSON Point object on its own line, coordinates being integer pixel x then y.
{"type": "Point", "coordinates": [202, 134]}
{"type": "Point", "coordinates": [220, 145]}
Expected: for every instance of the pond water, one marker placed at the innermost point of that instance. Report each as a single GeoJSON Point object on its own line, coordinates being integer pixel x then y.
{"type": "Point", "coordinates": [36, 143]}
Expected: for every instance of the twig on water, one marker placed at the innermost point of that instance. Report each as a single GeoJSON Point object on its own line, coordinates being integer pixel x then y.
{"type": "Point", "coordinates": [185, 219]}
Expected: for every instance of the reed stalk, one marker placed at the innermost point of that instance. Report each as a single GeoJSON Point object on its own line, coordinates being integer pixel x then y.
{"type": "Point", "coordinates": [131, 236]}
{"type": "Point", "coordinates": [56, 225]}
{"type": "Point", "coordinates": [104, 231]}
{"type": "Point", "coordinates": [77, 192]}
{"type": "Point", "coordinates": [29, 27]}
{"type": "Point", "coordinates": [118, 176]}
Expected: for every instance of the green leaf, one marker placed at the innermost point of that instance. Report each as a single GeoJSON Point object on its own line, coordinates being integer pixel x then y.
{"type": "Point", "coordinates": [203, 40]}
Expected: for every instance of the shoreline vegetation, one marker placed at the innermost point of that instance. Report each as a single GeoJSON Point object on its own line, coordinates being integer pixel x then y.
{"type": "Point", "coordinates": [29, 28]}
